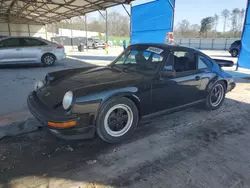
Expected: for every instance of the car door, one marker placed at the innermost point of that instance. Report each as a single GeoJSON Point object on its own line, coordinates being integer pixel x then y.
{"type": "Point", "coordinates": [10, 51]}
{"type": "Point", "coordinates": [181, 89]}
{"type": "Point", "coordinates": [204, 68]}
{"type": "Point", "coordinates": [32, 49]}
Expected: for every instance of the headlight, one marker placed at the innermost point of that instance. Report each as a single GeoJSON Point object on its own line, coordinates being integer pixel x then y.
{"type": "Point", "coordinates": [67, 100]}
{"type": "Point", "coordinates": [38, 84]}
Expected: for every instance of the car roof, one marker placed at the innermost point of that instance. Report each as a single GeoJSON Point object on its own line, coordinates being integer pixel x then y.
{"type": "Point", "coordinates": [22, 37]}
{"type": "Point", "coordinates": [165, 46]}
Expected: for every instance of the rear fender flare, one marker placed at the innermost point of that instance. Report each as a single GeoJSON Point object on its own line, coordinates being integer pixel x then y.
{"type": "Point", "coordinates": [213, 82]}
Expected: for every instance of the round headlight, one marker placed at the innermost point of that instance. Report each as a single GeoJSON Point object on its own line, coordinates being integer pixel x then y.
{"type": "Point", "coordinates": [67, 100]}
{"type": "Point", "coordinates": [38, 84]}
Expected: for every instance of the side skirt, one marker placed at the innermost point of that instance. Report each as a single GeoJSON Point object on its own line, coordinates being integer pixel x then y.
{"type": "Point", "coordinates": [171, 110]}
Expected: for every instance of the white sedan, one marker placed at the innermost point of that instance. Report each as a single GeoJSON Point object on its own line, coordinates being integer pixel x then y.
{"type": "Point", "coordinates": [25, 50]}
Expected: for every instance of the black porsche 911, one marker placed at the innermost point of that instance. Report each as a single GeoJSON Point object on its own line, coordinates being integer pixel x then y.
{"type": "Point", "coordinates": [144, 81]}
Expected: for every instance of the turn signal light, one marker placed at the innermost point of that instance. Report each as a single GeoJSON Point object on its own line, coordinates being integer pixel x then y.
{"type": "Point", "coordinates": [62, 125]}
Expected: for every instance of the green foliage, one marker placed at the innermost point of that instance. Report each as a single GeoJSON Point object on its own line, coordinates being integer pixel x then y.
{"type": "Point", "coordinates": [116, 40]}
{"type": "Point", "coordinates": [232, 25]}
{"type": "Point", "coordinates": [206, 25]}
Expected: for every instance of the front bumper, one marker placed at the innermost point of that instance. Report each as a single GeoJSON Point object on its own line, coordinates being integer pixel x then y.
{"type": "Point", "coordinates": [99, 45]}
{"type": "Point", "coordinates": [60, 56]}
{"type": "Point", "coordinates": [84, 128]}
{"type": "Point", "coordinates": [231, 86]}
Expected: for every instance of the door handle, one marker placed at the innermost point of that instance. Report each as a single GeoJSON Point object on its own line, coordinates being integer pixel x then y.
{"type": "Point", "coordinates": [197, 78]}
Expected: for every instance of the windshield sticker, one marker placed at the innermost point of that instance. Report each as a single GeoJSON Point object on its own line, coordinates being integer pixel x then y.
{"type": "Point", "coordinates": [155, 50]}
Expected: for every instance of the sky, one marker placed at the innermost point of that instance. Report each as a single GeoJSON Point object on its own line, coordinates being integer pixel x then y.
{"type": "Point", "coordinates": [194, 10]}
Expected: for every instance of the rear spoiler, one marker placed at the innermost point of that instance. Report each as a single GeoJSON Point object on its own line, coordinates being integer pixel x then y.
{"type": "Point", "coordinates": [224, 63]}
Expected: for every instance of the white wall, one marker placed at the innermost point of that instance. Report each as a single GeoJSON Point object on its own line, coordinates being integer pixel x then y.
{"type": "Point", "coordinates": [77, 33]}
{"type": "Point", "coordinates": [206, 43]}
{"type": "Point", "coordinates": [23, 30]}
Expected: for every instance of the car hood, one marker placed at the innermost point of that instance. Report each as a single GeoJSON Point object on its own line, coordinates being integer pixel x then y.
{"type": "Point", "coordinates": [100, 78]}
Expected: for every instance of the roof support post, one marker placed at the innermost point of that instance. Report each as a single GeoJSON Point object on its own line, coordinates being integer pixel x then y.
{"type": "Point", "coordinates": [130, 25]}
{"type": "Point", "coordinates": [29, 29]}
{"type": "Point", "coordinates": [106, 20]}
{"type": "Point", "coordinates": [173, 7]}
{"type": "Point", "coordinates": [106, 26]}
{"type": "Point", "coordinates": [129, 14]}
{"type": "Point", "coordinates": [46, 32]}
{"type": "Point", "coordinates": [86, 32]}
{"type": "Point", "coordinates": [9, 29]}
{"type": "Point", "coordinates": [71, 34]}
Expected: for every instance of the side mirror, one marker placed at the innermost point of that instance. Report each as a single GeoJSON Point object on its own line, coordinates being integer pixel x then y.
{"type": "Point", "coordinates": [169, 73]}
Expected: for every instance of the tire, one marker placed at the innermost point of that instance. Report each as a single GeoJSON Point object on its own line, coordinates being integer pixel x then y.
{"type": "Point", "coordinates": [124, 115]}
{"type": "Point", "coordinates": [93, 46]}
{"type": "Point", "coordinates": [211, 103]}
{"type": "Point", "coordinates": [48, 60]}
{"type": "Point", "coordinates": [234, 53]}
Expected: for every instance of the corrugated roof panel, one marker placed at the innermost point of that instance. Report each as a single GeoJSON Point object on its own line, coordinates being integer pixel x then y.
{"type": "Point", "coordinates": [41, 11]}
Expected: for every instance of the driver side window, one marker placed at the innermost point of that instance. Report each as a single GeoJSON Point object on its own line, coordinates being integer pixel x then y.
{"type": "Point", "coordinates": [182, 61]}
{"type": "Point", "coordinates": [10, 43]}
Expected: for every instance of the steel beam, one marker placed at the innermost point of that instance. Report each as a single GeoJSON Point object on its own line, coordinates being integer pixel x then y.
{"type": "Point", "coordinates": [126, 10]}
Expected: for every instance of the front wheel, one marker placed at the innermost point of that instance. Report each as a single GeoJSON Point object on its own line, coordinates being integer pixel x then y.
{"type": "Point", "coordinates": [117, 120]}
{"type": "Point", "coordinates": [216, 96]}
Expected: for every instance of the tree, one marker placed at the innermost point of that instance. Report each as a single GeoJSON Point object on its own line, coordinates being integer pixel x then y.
{"type": "Point", "coordinates": [234, 20]}
{"type": "Point", "coordinates": [216, 21]}
{"type": "Point", "coordinates": [184, 25]}
{"type": "Point", "coordinates": [241, 18]}
{"type": "Point", "coordinates": [225, 14]}
{"type": "Point", "coordinates": [206, 25]}
{"type": "Point", "coordinates": [195, 28]}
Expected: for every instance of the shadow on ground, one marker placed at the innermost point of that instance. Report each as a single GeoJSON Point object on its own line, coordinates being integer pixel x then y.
{"type": "Point", "coordinates": [168, 146]}
{"type": "Point", "coordinates": [88, 57]}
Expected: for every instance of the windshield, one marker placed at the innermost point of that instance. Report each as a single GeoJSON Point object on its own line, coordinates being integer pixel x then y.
{"type": "Point", "coordinates": [143, 59]}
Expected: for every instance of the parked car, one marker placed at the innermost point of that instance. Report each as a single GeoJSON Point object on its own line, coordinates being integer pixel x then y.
{"type": "Point", "coordinates": [25, 50]}
{"type": "Point", "coordinates": [234, 49]}
{"type": "Point", "coordinates": [144, 81]}
{"type": "Point", "coordinates": [95, 43]}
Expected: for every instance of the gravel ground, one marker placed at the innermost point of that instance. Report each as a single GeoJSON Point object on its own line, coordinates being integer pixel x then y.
{"type": "Point", "coordinates": [190, 148]}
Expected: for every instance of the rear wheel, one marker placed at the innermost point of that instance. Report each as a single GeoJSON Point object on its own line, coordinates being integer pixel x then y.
{"type": "Point", "coordinates": [48, 60]}
{"type": "Point", "coordinates": [216, 96]}
{"type": "Point", "coordinates": [117, 120]}
{"type": "Point", "coordinates": [234, 53]}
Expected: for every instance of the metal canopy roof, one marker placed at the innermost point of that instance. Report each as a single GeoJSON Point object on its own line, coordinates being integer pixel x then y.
{"type": "Point", "coordinates": [48, 11]}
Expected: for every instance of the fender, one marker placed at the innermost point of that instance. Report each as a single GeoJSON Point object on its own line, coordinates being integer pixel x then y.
{"type": "Point", "coordinates": [213, 82]}
{"type": "Point", "coordinates": [97, 100]}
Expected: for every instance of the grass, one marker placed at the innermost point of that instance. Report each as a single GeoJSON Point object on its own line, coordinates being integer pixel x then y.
{"type": "Point", "coordinates": [117, 41]}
